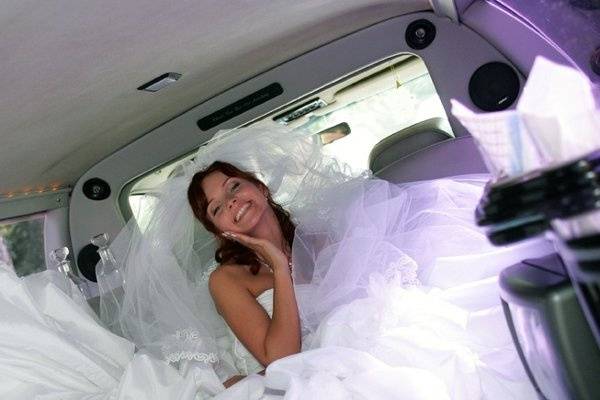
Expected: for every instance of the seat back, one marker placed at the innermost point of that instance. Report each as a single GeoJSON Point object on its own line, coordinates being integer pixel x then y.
{"type": "Point", "coordinates": [408, 141]}
{"type": "Point", "coordinates": [450, 157]}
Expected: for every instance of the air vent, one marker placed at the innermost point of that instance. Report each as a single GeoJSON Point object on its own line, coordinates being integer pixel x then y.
{"type": "Point", "coordinates": [241, 106]}
{"type": "Point", "coordinates": [297, 112]}
{"type": "Point", "coordinates": [161, 82]}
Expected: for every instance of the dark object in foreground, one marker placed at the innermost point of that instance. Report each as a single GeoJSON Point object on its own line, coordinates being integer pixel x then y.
{"type": "Point", "coordinates": [552, 305]}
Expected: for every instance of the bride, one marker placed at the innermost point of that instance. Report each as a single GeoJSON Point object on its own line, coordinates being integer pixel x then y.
{"type": "Point", "coordinates": [255, 241]}
{"type": "Point", "coordinates": [389, 291]}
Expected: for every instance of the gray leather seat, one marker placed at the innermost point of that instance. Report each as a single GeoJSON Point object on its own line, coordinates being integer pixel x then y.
{"type": "Point", "coordinates": [407, 141]}
{"type": "Point", "coordinates": [448, 158]}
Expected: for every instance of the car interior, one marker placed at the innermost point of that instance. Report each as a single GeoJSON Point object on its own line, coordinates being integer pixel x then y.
{"type": "Point", "coordinates": [103, 101]}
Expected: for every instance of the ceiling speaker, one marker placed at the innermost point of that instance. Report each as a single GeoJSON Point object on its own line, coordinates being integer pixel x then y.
{"type": "Point", "coordinates": [420, 34]}
{"type": "Point", "coordinates": [96, 189]}
{"type": "Point", "coordinates": [87, 259]}
{"type": "Point", "coordinates": [494, 86]}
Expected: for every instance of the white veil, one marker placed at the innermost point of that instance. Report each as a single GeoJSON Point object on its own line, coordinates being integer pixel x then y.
{"type": "Point", "coordinates": [166, 308]}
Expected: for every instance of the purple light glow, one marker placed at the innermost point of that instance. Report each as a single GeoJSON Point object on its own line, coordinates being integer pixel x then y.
{"type": "Point", "coordinates": [575, 30]}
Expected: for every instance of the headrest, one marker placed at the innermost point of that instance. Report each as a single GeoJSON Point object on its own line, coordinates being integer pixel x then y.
{"type": "Point", "coordinates": [408, 141]}
{"type": "Point", "coordinates": [448, 158]}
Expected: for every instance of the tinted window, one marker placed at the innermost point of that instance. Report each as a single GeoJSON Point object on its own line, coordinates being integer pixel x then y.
{"type": "Point", "coordinates": [379, 114]}
{"type": "Point", "coordinates": [22, 244]}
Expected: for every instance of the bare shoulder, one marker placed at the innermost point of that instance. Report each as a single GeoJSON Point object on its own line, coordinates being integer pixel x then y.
{"type": "Point", "coordinates": [228, 287]}
{"type": "Point", "coordinates": [225, 278]}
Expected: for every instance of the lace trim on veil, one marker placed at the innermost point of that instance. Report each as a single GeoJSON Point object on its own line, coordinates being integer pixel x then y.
{"type": "Point", "coordinates": [180, 342]}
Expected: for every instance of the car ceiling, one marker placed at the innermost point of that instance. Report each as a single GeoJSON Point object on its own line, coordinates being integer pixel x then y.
{"type": "Point", "coordinates": [69, 69]}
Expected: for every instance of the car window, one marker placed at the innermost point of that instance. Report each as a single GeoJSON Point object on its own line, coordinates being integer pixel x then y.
{"type": "Point", "coordinates": [378, 115]}
{"type": "Point", "coordinates": [141, 205]}
{"type": "Point", "coordinates": [22, 244]}
{"type": "Point", "coordinates": [350, 116]}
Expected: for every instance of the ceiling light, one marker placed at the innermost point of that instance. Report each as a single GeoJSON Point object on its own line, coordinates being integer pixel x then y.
{"type": "Point", "coordinates": [161, 82]}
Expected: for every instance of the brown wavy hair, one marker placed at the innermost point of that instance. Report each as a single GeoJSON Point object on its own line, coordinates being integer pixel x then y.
{"type": "Point", "coordinates": [229, 251]}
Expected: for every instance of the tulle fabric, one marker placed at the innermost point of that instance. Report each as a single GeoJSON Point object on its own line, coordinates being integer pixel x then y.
{"type": "Point", "coordinates": [421, 231]}
{"type": "Point", "coordinates": [53, 347]}
{"type": "Point", "coordinates": [407, 343]}
{"type": "Point", "coordinates": [165, 307]}
{"type": "Point", "coordinates": [402, 300]}
{"type": "Point", "coordinates": [51, 344]}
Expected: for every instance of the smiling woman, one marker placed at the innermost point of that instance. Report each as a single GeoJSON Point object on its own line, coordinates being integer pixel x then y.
{"type": "Point", "coordinates": [228, 200]}
{"type": "Point", "coordinates": [254, 234]}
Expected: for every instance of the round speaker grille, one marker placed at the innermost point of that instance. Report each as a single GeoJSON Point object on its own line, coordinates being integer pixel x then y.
{"type": "Point", "coordinates": [420, 34]}
{"type": "Point", "coordinates": [96, 189]}
{"type": "Point", "coordinates": [87, 259]}
{"type": "Point", "coordinates": [494, 86]}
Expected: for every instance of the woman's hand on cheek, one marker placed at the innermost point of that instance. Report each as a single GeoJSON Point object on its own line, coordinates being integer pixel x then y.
{"type": "Point", "coordinates": [267, 251]}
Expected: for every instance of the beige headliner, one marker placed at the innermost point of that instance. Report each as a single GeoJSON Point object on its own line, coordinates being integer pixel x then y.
{"type": "Point", "coordinates": [69, 69]}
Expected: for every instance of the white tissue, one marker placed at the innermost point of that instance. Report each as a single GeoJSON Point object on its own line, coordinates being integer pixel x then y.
{"type": "Point", "coordinates": [499, 136]}
{"type": "Point", "coordinates": [559, 111]}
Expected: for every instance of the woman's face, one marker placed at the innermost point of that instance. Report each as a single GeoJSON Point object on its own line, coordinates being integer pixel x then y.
{"type": "Point", "coordinates": [234, 204]}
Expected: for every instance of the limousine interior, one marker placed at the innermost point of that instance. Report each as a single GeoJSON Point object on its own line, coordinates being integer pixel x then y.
{"type": "Point", "coordinates": [102, 101]}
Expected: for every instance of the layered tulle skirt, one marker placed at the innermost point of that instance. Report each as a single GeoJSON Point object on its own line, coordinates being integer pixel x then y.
{"type": "Point", "coordinates": [399, 297]}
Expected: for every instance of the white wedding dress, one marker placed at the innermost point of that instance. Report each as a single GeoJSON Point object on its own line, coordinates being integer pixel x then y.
{"type": "Point", "coordinates": [401, 303]}
{"type": "Point", "coordinates": [403, 300]}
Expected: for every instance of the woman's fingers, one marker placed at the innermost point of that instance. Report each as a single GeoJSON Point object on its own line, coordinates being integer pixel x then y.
{"type": "Point", "coordinates": [246, 240]}
{"type": "Point", "coordinates": [269, 253]}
